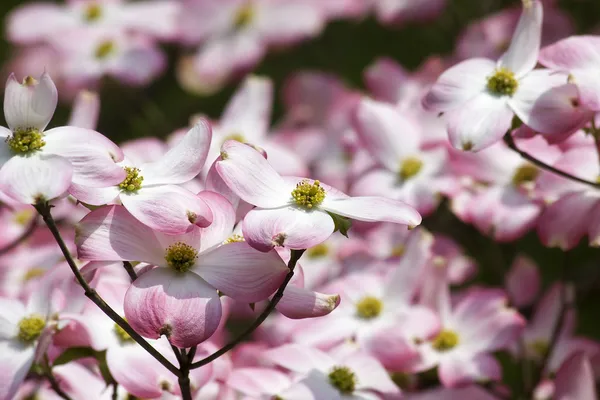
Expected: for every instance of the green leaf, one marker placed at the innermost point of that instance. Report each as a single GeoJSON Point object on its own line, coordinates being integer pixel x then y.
{"type": "Point", "coordinates": [342, 224]}
{"type": "Point", "coordinates": [74, 353]}
{"type": "Point", "coordinates": [104, 371]}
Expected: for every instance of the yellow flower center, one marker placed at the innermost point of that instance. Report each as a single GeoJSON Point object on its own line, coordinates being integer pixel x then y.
{"type": "Point", "coordinates": [397, 250]}
{"type": "Point", "coordinates": [133, 180]}
{"type": "Point", "coordinates": [343, 379]}
{"type": "Point", "coordinates": [23, 217]}
{"type": "Point", "coordinates": [105, 49]}
{"type": "Point", "coordinates": [503, 82]}
{"type": "Point", "coordinates": [93, 12]}
{"type": "Point", "coordinates": [369, 307]}
{"type": "Point", "coordinates": [181, 257]}
{"type": "Point", "coordinates": [244, 16]}
{"type": "Point", "coordinates": [540, 347]}
{"type": "Point", "coordinates": [25, 140]}
{"type": "Point", "coordinates": [30, 328]}
{"type": "Point", "coordinates": [238, 137]}
{"type": "Point", "coordinates": [33, 273]}
{"type": "Point", "coordinates": [122, 335]}
{"type": "Point", "coordinates": [445, 340]}
{"type": "Point", "coordinates": [308, 195]}
{"type": "Point", "coordinates": [318, 251]}
{"type": "Point", "coordinates": [526, 173]}
{"type": "Point", "coordinates": [409, 168]}
{"type": "Point", "coordinates": [234, 239]}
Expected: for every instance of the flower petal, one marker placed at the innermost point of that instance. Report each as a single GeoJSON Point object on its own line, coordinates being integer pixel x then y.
{"type": "Point", "coordinates": [33, 177]}
{"type": "Point", "coordinates": [374, 209]}
{"type": "Point", "coordinates": [251, 177]}
{"type": "Point", "coordinates": [15, 361]}
{"type": "Point", "coordinates": [523, 281]}
{"type": "Point", "coordinates": [575, 379]}
{"type": "Point", "coordinates": [224, 219]}
{"type": "Point", "coordinates": [184, 161]}
{"type": "Point", "coordinates": [94, 196]}
{"type": "Point", "coordinates": [167, 208]}
{"type": "Point", "coordinates": [241, 272]}
{"type": "Point", "coordinates": [298, 303]}
{"type": "Point", "coordinates": [86, 110]}
{"type": "Point", "coordinates": [456, 371]}
{"type": "Point", "coordinates": [29, 105]}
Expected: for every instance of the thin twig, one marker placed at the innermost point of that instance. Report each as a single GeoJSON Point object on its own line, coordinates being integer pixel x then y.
{"type": "Point", "coordinates": [184, 378]}
{"type": "Point", "coordinates": [43, 209]}
{"type": "Point", "coordinates": [24, 236]}
{"type": "Point", "coordinates": [295, 256]}
{"type": "Point", "coordinates": [52, 380]}
{"type": "Point", "coordinates": [115, 393]}
{"type": "Point", "coordinates": [130, 271]}
{"type": "Point", "coordinates": [510, 142]}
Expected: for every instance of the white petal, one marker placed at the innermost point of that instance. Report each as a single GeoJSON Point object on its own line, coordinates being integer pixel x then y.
{"type": "Point", "coordinates": [29, 105]}
{"type": "Point", "coordinates": [374, 209]}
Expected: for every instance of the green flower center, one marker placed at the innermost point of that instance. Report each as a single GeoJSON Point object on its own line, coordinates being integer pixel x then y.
{"type": "Point", "coordinates": [401, 379]}
{"type": "Point", "coordinates": [525, 174]}
{"type": "Point", "coordinates": [26, 140]}
{"type": "Point", "coordinates": [318, 251]}
{"type": "Point", "coordinates": [23, 217]}
{"type": "Point", "coordinates": [122, 335]}
{"type": "Point", "coordinates": [540, 347]}
{"type": "Point", "coordinates": [30, 328]}
{"type": "Point", "coordinates": [244, 16]}
{"type": "Point", "coordinates": [234, 239]}
{"type": "Point", "coordinates": [133, 180]}
{"type": "Point", "coordinates": [308, 195]}
{"type": "Point", "coordinates": [445, 340]}
{"type": "Point", "coordinates": [105, 49]}
{"type": "Point", "coordinates": [93, 12]}
{"type": "Point", "coordinates": [181, 257]}
{"type": "Point", "coordinates": [343, 379]}
{"type": "Point", "coordinates": [409, 168]}
{"type": "Point", "coordinates": [503, 82]}
{"type": "Point", "coordinates": [369, 307]}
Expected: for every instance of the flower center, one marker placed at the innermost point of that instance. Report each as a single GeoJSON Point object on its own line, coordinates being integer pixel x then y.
{"type": "Point", "coordinates": [401, 379]}
{"type": "Point", "coordinates": [181, 257]}
{"type": "Point", "coordinates": [244, 16]}
{"type": "Point", "coordinates": [238, 137]}
{"type": "Point", "coordinates": [526, 173]}
{"type": "Point", "coordinates": [105, 49]}
{"type": "Point", "coordinates": [30, 328]}
{"type": "Point", "coordinates": [369, 307]}
{"type": "Point", "coordinates": [33, 273]}
{"type": "Point", "coordinates": [343, 379]}
{"type": "Point", "coordinates": [234, 239]}
{"type": "Point", "coordinates": [503, 82]}
{"type": "Point", "coordinates": [133, 180]}
{"type": "Point", "coordinates": [23, 217]}
{"type": "Point", "coordinates": [318, 251]}
{"type": "Point", "coordinates": [93, 12]}
{"type": "Point", "coordinates": [122, 335]}
{"type": "Point", "coordinates": [397, 250]}
{"type": "Point", "coordinates": [308, 195]}
{"type": "Point", "coordinates": [26, 140]}
{"type": "Point", "coordinates": [540, 347]}
{"type": "Point", "coordinates": [409, 168]}
{"type": "Point", "coordinates": [445, 340]}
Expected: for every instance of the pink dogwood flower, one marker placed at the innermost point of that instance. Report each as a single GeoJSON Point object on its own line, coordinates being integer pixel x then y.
{"type": "Point", "coordinates": [390, 11]}
{"type": "Point", "coordinates": [294, 212]}
{"type": "Point", "coordinates": [152, 191]}
{"type": "Point", "coordinates": [44, 164]}
{"type": "Point", "coordinates": [480, 97]}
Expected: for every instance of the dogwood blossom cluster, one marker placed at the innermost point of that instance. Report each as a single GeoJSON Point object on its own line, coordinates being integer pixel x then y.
{"type": "Point", "coordinates": [365, 245]}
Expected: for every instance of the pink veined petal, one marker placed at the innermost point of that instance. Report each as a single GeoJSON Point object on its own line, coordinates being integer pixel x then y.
{"type": "Point", "coordinates": [94, 196]}
{"type": "Point", "coordinates": [387, 134]}
{"type": "Point", "coordinates": [93, 156]}
{"type": "Point", "coordinates": [36, 21]}
{"type": "Point", "coordinates": [167, 208]}
{"type": "Point", "coordinates": [523, 282]}
{"type": "Point", "coordinates": [575, 379]}
{"type": "Point", "coordinates": [248, 113]}
{"type": "Point", "coordinates": [180, 306]}
{"type": "Point", "coordinates": [224, 219]}
{"type": "Point", "coordinates": [457, 371]}
{"type": "Point", "coordinates": [522, 54]}
{"type": "Point", "coordinates": [257, 381]}
{"type": "Point", "coordinates": [479, 123]}
{"type": "Point", "coordinates": [111, 233]}
{"type": "Point", "coordinates": [374, 209]}
{"type": "Point", "coordinates": [184, 161]}
{"type": "Point", "coordinates": [285, 22]}
{"type": "Point", "coordinates": [298, 303]}
{"type": "Point", "coordinates": [15, 361]}
{"type": "Point", "coordinates": [29, 105]}
{"type": "Point", "coordinates": [459, 84]}
{"type": "Point", "coordinates": [86, 110]}
{"type": "Point", "coordinates": [289, 227]}
{"type": "Point", "coordinates": [241, 272]}
{"type": "Point", "coordinates": [34, 177]}
{"type": "Point", "coordinates": [215, 183]}
{"type": "Point", "coordinates": [251, 177]}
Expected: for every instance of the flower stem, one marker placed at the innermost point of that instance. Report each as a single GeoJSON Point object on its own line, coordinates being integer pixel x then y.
{"type": "Point", "coordinates": [130, 271]}
{"type": "Point", "coordinates": [185, 362]}
{"type": "Point", "coordinates": [24, 236]}
{"type": "Point", "coordinates": [43, 208]}
{"type": "Point", "coordinates": [295, 256]}
{"type": "Point", "coordinates": [510, 142]}
{"type": "Point", "coordinates": [47, 369]}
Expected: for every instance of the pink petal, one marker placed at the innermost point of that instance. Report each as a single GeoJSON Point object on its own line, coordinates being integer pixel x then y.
{"type": "Point", "coordinates": [374, 209]}
{"type": "Point", "coordinates": [167, 208]}
{"type": "Point", "coordinates": [111, 233]}
{"type": "Point", "coordinates": [457, 371]}
{"type": "Point", "coordinates": [184, 161]}
{"type": "Point", "coordinates": [300, 303]}
{"type": "Point", "coordinates": [29, 105]}
{"type": "Point", "coordinates": [251, 177]}
{"type": "Point", "coordinates": [387, 134]}
{"type": "Point", "coordinates": [285, 160]}
{"type": "Point", "coordinates": [94, 196]}
{"type": "Point", "coordinates": [215, 183]}
{"type": "Point", "coordinates": [575, 379]}
{"type": "Point", "coordinates": [156, 18]}
{"type": "Point", "coordinates": [241, 272]}
{"type": "Point", "coordinates": [299, 358]}
{"type": "Point", "coordinates": [36, 21]}
{"type": "Point", "coordinates": [459, 84]}
{"type": "Point", "coordinates": [285, 22]}
{"type": "Point", "coordinates": [522, 54]}
{"type": "Point", "coordinates": [523, 282]}
{"type": "Point", "coordinates": [370, 374]}
{"type": "Point", "coordinates": [34, 177]}
{"type": "Point", "coordinates": [181, 306]}
{"type": "Point", "coordinates": [224, 219]}
{"type": "Point", "coordinates": [289, 227]}
{"type": "Point", "coordinates": [385, 79]}
{"type": "Point", "coordinates": [15, 361]}
{"type": "Point", "coordinates": [257, 382]}
{"type": "Point", "coordinates": [574, 52]}
{"type": "Point", "coordinates": [93, 156]}
{"type": "Point", "coordinates": [86, 110]}
{"type": "Point", "coordinates": [479, 123]}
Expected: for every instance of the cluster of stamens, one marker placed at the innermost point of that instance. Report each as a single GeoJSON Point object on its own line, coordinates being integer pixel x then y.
{"type": "Point", "coordinates": [410, 167]}
{"type": "Point", "coordinates": [318, 251]}
{"type": "Point", "coordinates": [25, 140]}
{"type": "Point", "coordinates": [343, 379]}
{"type": "Point", "coordinates": [30, 328]}
{"type": "Point", "coordinates": [235, 238]}
{"type": "Point", "coordinates": [525, 174]}
{"type": "Point", "coordinates": [308, 195]}
{"type": "Point", "coordinates": [369, 307]}
{"type": "Point", "coordinates": [244, 16]}
{"type": "Point", "coordinates": [181, 256]}
{"type": "Point", "coordinates": [503, 82]}
{"type": "Point", "coordinates": [445, 340]}
{"type": "Point", "coordinates": [122, 335]}
{"type": "Point", "coordinates": [93, 12]}
{"type": "Point", "coordinates": [133, 180]}
{"type": "Point", "coordinates": [104, 49]}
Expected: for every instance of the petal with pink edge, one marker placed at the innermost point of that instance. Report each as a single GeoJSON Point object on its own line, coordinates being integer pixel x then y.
{"type": "Point", "coordinates": [30, 104]}
{"type": "Point", "coordinates": [15, 361]}
{"type": "Point", "coordinates": [36, 21]}
{"type": "Point", "coordinates": [167, 208]}
{"type": "Point", "coordinates": [374, 209]}
{"type": "Point", "coordinates": [455, 371]}
{"type": "Point", "coordinates": [286, 22]}
{"type": "Point", "coordinates": [299, 358]}
{"type": "Point", "coordinates": [94, 196]}
{"type": "Point", "coordinates": [224, 219]}
{"type": "Point", "coordinates": [251, 177]}
{"type": "Point", "coordinates": [86, 110]}
{"type": "Point", "coordinates": [575, 379]}
{"type": "Point", "coordinates": [241, 272]}
{"type": "Point", "coordinates": [257, 382]}
{"type": "Point", "coordinates": [180, 306]}
{"type": "Point", "coordinates": [523, 281]}
{"type": "Point", "coordinates": [28, 179]}
{"type": "Point", "coordinates": [298, 303]}
{"type": "Point", "coordinates": [289, 227]}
